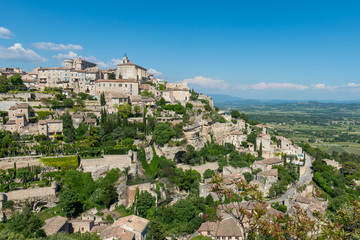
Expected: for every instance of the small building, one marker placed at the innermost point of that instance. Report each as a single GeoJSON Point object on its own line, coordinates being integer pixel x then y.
{"type": "Point", "coordinates": [18, 117]}
{"type": "Point", "coordinates": [81, 226]}
{"type": "Point", "coordinates": [226, 229]}
{"type": "Point", "coordinates": [176, 95]}
{"type": "Point", "coordinates": [90, 121]}
{"type": "Point", "coordinates": [77, 119]}
{"type": "Point", "coordinates": [55, 225]}
{"type": "Point", "coordinates": [51, 128]}
{"type": "Point", "coordinates": [266, 164]}
{"type": "Point", "coordinates": [119, 99]}
{"type": "Point", "coordinates": [332, 163]}
{"type": "Point", "coordinates": [266, 179]}
{"type": "Point", "coordinates": [127, 228]}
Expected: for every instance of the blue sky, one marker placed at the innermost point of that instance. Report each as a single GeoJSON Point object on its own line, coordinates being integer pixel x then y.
{"type": "Point", "coordinates": [251, 49]}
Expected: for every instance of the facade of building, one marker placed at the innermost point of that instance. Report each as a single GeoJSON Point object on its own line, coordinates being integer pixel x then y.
{"type": "Point", "coordinates": [18, 117]}
{"type": "Point", "coordinates": [128, 70]}
{"type": "Point", "coordinates": [124, 86]}
{"type": "Point", "coordinates": [50, 128]}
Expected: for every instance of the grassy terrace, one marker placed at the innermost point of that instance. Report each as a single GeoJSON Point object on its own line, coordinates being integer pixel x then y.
{"type": "Point", "coordinates": [63, 163]}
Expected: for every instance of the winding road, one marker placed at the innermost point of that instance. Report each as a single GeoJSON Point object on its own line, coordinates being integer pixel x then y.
{"type": "Point", "coordinates": [305, 179]}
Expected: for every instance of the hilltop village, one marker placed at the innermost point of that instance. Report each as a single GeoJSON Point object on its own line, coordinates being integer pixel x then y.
{"type": "Point", "coordinates": [122, 154]}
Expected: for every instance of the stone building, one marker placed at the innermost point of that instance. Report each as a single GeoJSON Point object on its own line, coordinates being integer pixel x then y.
{"type": "Point", "coordinates": [80, 64]}
{"type": "Point", "coordinates": [226, 229]}
{"type": "Point", "coordinates": [266, 179]}
{"type": "Point", "coordinates": [55, 225]}
{"type": "Point", "coordinates": [124, 86]}
{"type": "Point", "coordinates": [50, 127]}
{"type": "Point", "coordinates": [128, 70]}
{"type": "Point", "coordinates": [129, 228]}
{"type": "Point", "coordinates": [18, 117]}
{"type": "Point", "coordinates": [266, 164]}
{"type": "Point", "coordinates": [175, 95]}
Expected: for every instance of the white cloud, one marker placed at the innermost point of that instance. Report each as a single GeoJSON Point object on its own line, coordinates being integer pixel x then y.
{"type": "Point", "coordinates": [278, 86]}
{"type": "Point", "coordinates": [5, 33]}
{"type": "Point", "coordinates": [56, 46]}
{"type": "Point", "coordinates": [155, 72]}
{"type": "Point", "coordinates": [207, 82]}
{"type": "Point", "coordinates": [17, 52]}
{"type": "Point", "coordinates": [323, 86]}
{"type": "Point", "coordinates": [62, 56]}
{"type": "Point", "coordinates": [353, 85]}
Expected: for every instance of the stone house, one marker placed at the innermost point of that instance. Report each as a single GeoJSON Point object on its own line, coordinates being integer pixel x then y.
{"type": "Point", "coordinates": [266, 164]}
{"type": "Point", "coordinates": [266, 179]}
{"type": "Point", "coordinates": [226, 229]}
{"type": "Point", "coordinates": [77, 118]}
{"type": "Point", "coordinates": [332, 163]}
{"type": "Point", "coordinates": [50, 127]}
{"type": "Point", "coordinates": [55, 225]}
{"type": "Point", "coordinates": [127, 228]}
{"type": "Point", "coordinates": [236, 137]}
{"type": "Point", "coordinates": [18, 117]}
{"type": "Point", "coordinates": [90, 121]}
{"type": "Point", "coordinates": [81, 226]}
{"type": "Point", "coordinates": [119, 99]}
{"type": "Point", "coordinates": [124, 86]}
{"type": "Point", "coordinates": [262, 127]}
{"type": "Point", "coordinates": [176, 95]}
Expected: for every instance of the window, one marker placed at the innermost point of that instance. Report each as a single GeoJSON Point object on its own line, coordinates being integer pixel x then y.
{"type": "Point", "coordinates": [125, 85]}
{"type": "Point", "coordinates": [110, 84]}
{"type": "Point", "coordinates": [104, 85]}
{"type": "Point", "coordinates": [119, 85]}
{"type": "Point", "coordinates": [59, 129]}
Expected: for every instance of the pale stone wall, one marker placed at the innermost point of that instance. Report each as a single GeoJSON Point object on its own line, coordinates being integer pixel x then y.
{"type": "Point", "coordinates": [21, 162]}
{"type": "Point", "coordinates": [100, 166]}
{"type": "Point", "coordinates": [32, 193]}
{"type": "Point", "coordinates": [200, 168]}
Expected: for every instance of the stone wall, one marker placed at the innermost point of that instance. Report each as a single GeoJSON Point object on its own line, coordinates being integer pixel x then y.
{"type": "Point", "coordinates": [200, 168]}
{"type": "Point", "coordinates": [44, 193]}
{"type": "Point", "coordinates": [100, 166]}
{"type": "Point", "coordinates": [21, 162]}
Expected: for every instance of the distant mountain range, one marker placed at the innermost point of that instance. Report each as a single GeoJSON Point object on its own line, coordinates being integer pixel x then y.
{"type": "Point", "coordinates": [223, 99]}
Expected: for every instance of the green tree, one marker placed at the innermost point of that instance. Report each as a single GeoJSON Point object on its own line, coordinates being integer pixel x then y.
{"type": "Point", "coordinates": [156, 231]}
{"type": "Point", "coordinates": [68, 128]}
{"type": "Point", "coordinates": [80, 131]}
{"type": "Point", "coordinates": [144, 203]}
{"type": "Point", "coordinates": [68, 103]}
{"type": "Point", "coordinates": [208, 173]}
{"type": "Point", "coordinates": [163, 132]}
{"type": "Point", "coordinates": [112, 76]}
{"type": "Point", "coordinates": [102, 99]}
{"type": "Point", "coordinates": [235, 114]}
{"type": "Point", "coordinates": [69, 202]}
{"type": "Point", "coordinates": [26, 223]}
{"type": "Point", "coordinates": [16, 80]}
{"type": "Point", "coordinates": [92, 139]}
{"type": "Point", "coordinates": [124, 110]}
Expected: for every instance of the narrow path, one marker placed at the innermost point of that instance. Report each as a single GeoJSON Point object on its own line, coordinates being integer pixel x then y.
{"type": "Point", "coordinates": [305, 179]}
